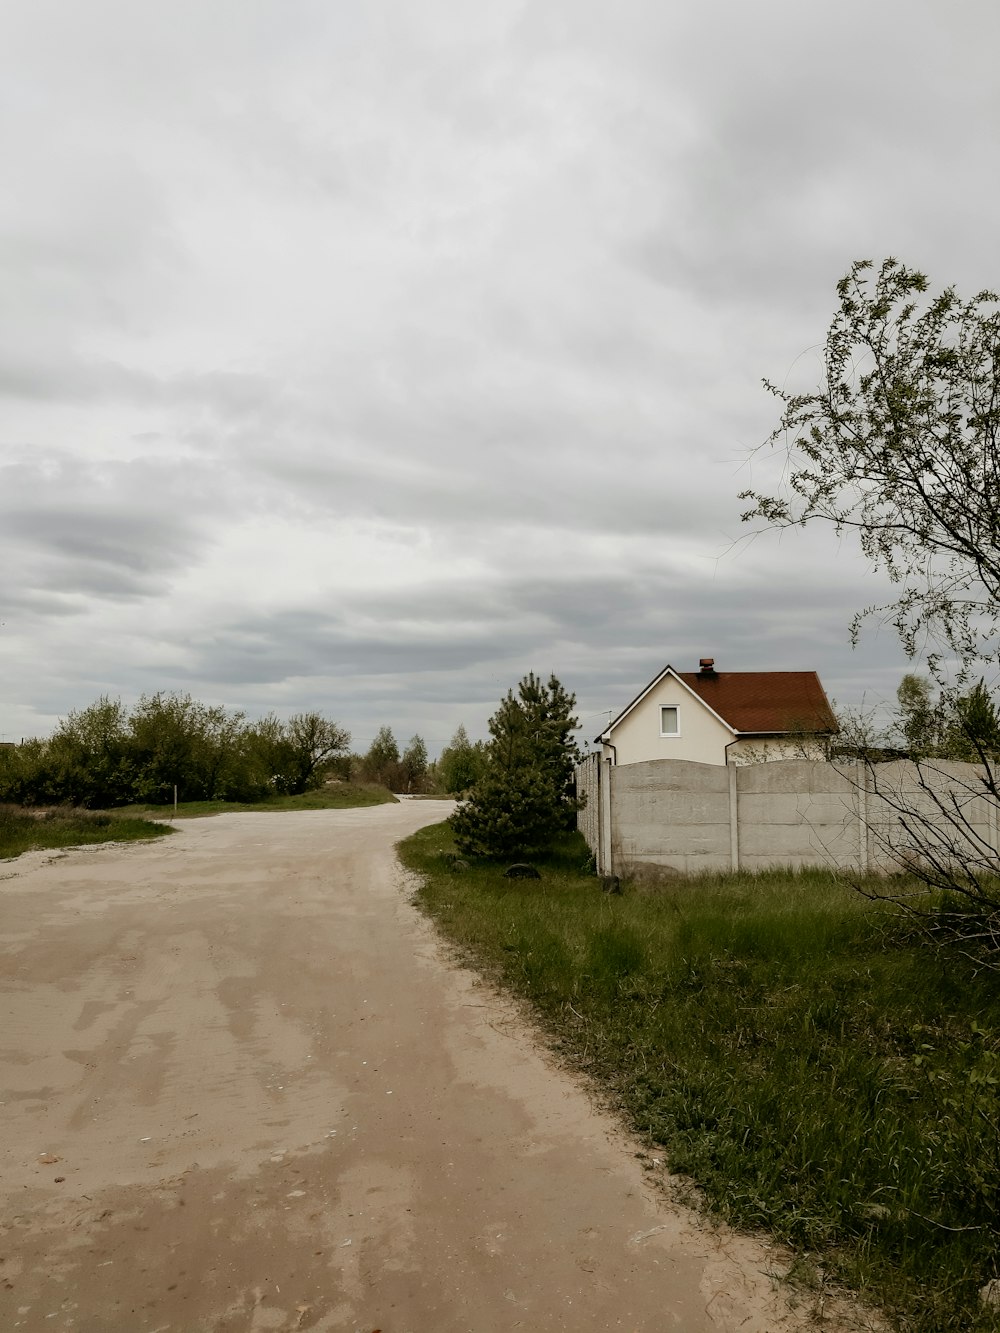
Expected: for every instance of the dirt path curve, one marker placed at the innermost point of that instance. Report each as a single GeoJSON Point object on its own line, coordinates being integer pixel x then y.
{"type": "Point", "coordinates": [241, 1088]}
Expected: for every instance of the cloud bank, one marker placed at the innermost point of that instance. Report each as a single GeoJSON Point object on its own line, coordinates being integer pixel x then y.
{"type": "Point", "coordinates": [364, 360]}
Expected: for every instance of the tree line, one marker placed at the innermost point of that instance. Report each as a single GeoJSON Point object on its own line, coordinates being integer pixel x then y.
{"type": "Point", "coordinates": [929, 722]}
{"type": "Point", "coordinates": [109, 755]}
{"type": "Point", "coordinates": [942, 724]}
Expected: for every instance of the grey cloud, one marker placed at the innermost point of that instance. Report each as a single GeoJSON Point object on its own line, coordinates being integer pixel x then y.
{"type": "Point", "coordinates": [70, 532]}
{"type": "Point", "coordinates": [300, 296]}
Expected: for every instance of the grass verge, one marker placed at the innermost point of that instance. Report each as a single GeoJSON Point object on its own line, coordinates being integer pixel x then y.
{"type": "Point", "coordinates": [24, 830]}
{"type": "Point", "coordinates": [336, 796]}
{"type": "Point", "coordinates": [28, 831]}
{"type": "Point", "coordinates": [814, 1070]}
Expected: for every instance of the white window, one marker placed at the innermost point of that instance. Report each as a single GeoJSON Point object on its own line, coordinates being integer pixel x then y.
{"type": "Point", "coordinates": [670, 721]}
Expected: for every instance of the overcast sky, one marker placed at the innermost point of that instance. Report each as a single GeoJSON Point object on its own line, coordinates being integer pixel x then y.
{"type": "Point", "coordinates": [364, 357]}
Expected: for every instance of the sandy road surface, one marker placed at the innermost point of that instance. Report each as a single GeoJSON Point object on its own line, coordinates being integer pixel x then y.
{"type": "Point", "coordinates": [243, 1089]}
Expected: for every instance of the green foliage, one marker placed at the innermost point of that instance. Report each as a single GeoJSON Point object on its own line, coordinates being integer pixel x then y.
{"type": "Point", "coordinates": [413, 766]}
{"type": "Point", "coordinates": [381, 762]}
{"type": "Point", "coordinates": [91, 750]}
{"type": "Point", "coordinates": [973, 732]}
{"type": "Point", "coordinates": [523, 796]}
{"type": "Point", "coordinates": [286, 758]}
{"type": "Point", "coordinates": [22, 831]}
{"type": "Point", "coordinates": [535, 729]}
{"type": "Point", "coordinates": [87, 761]}
{"type": "Point", "coordinates": [177, 741]}
{"type": "Point", "coordinates": [105, 756]}
{"type": "Point", "coordinates": [461, 763]}
{"type": "Point", "coordinates": [919, 716]}
{"type": "Point", "coordinates": [330, 796]}
{"type": "Point", "coordinates": [511, 813]}
{"type": "Point", "coordinates": [900, 445]}
{"type": "Point", "coordinates": [963, 727]}
{"type": "Point", "coordinates": [795, 1053]}
{"type": "Point", "coordinates": [266, 761]}
{"type": "Point", "coordinates": [962, 1084]}
{"type": "Point", "coordinates": [312, 742]}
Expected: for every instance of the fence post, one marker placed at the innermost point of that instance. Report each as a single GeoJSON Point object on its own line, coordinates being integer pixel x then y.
{"type": "Point", "coordinates": [734, 818]}
{"type": "Point", "coordinates": [605, 859]}
{"type": "Point", "coordinates": [862, 788]}
{"type": "Point", "coordinates": [599, 813]}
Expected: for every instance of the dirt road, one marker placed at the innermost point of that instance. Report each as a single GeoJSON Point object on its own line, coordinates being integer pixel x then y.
{"type": "Point", "coordinates": [243, 1088]}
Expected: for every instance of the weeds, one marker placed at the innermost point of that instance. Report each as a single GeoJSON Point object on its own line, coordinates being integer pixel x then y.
{"type": "Point", "coordinates": [818, 1072]}
{"type": "Point", "coordinates": [333, 796]}
{"type": "Point", "coordinates": [65, 826]}
{"type": "Point", "coordinates": [24, 829]}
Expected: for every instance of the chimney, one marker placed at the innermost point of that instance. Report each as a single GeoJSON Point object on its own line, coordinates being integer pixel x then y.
{"type": "Point", "coordinates": [706, 666]}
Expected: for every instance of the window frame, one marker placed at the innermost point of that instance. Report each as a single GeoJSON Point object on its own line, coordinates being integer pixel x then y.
{"type": "Point", "coordinates": [675, 709]}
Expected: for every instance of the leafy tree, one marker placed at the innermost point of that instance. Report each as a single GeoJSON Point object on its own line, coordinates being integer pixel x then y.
{"type": "Point", "coordinates": [973, 731]}
{"type": "Point", "coordinates": [177, 741]}
{"type": "Point", "coordinates": [413, 765]}
{"type": "Point", "coordinates": [265, 760]}
{"type": "Point", "coordinates": [964, 727]}
{"type": "Point", "coordinates": [461, 762]}
{"type": "Point", "coordinates": [313, 742]}
{"type": "Point", "coordinates": [88, 757]}
{"type": "Point", "coordinates": [288, 757]}
{"type": "Point", "coordinates": [900, 443]}
{"type": "Point", "coordinates": [104, 755]}
{"type": "Point", "coordinates": [88, 760]}
{"type": "Point", "coordinates": [36, 773]}
{"type": "Point", "coordinates": [524, 797]}
{"type": "Point", "coordinates": [381, 762]}
{"type": "Point", "coordinates": [919, 715]}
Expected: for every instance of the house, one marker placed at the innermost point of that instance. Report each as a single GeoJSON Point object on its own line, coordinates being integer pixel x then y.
{"type": "Point", "coordinates": [723, 717]}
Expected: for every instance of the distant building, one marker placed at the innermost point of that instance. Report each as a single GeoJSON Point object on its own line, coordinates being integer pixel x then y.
{"type": "Point", "coordinates": [723, 717]}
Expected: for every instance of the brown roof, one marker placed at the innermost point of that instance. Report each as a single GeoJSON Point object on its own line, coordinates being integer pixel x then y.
{"type": "Point", "coordinates": [764, 702]}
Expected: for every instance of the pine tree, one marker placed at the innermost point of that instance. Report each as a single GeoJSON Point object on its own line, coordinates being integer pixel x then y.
{"type": "Point", "coordinates": [524, 797]}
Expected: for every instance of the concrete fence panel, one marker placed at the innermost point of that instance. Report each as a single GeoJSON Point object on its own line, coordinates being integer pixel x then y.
{"type": "Point", "coordinates": [799, 812]}
{"type": "Point", "coordinates": [707, 817]}
{"type": "Point", "coordinates": [937, 804]}
{"type": "Point", "coordinates": [672, 813]}
{"type": "Point", "coordinates": [588, 775]}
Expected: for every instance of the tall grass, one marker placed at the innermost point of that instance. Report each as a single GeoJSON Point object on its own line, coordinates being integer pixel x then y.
{"type": "Point", "coordinates": [27, 831]}
{"type": "Point", "coordinates": [24, 829]}
{"type": "Point", "coordinates": [816, 1071]}
{"type": "Point", "coordinates": [332, 796]}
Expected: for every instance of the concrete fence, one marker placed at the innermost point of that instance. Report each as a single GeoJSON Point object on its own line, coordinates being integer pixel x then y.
{"type": "Point", "coordinates": [796, 812]}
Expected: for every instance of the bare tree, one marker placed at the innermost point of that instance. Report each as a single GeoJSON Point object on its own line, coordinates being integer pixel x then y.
{"type": "Point", "coordinates": [899, 443]}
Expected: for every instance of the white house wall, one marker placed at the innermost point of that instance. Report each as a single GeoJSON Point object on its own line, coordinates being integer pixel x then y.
{"type": "Point", "coordinates": [769, 748]}
{"type": "Point", "coordinates": [637, 740]}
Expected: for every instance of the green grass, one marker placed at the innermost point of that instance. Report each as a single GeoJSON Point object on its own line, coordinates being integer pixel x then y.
{"type": "Point", "coordinates": [24, 830]}
{"type": "Point", "coordinates": [809, 1065]}
{"type": "Point", "coordinates": [28, 831]}
{"type": "Point", "coordinates": [335, 796]}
